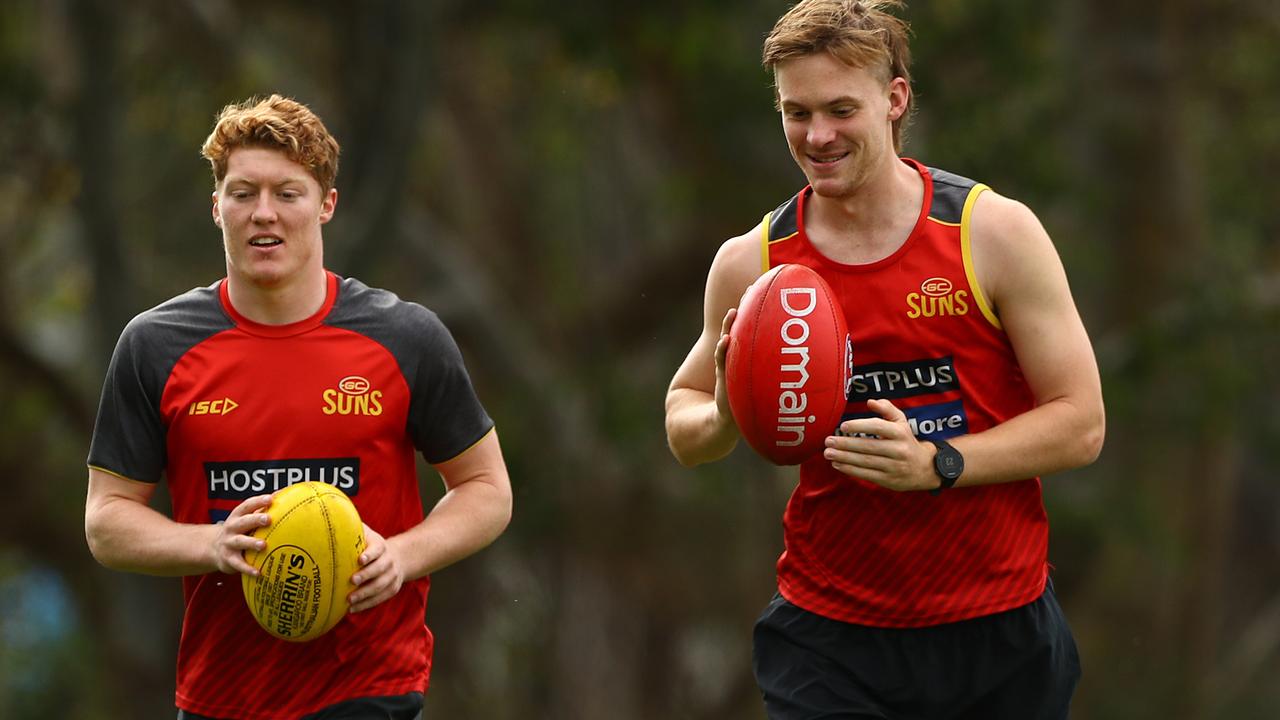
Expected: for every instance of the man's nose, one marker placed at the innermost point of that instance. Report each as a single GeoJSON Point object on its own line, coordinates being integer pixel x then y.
{"type": "Point", "coordinates": [264, 210]}
{"type": "Point", "coordinates": [821, 131]}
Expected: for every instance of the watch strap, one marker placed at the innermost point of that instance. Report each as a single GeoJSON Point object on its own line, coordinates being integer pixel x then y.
{"type": "Point", "coordinates": [948, 463]}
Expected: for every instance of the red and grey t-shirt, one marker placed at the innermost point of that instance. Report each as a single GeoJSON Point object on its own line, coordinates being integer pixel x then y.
{"type": "Point", "coordinates": [925, 338]}
{"type": "Point", "coordinates": [225, 408]}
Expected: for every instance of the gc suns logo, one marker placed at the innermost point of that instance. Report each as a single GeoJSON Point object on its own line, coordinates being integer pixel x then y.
{"type": "Point", "coordinates": [353, 396]}
{"type": "Point", "coordinates": [937, 297]}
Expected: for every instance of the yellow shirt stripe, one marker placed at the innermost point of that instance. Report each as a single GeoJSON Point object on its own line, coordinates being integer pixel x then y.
{"type": "Point", "coordinates": [966, 248]}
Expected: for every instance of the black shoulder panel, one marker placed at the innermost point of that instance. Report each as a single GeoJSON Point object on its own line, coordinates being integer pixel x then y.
{"type": "Point", "coordinates": [783, 221]}
{"type": "Point", "coordinates": [445, 416]}
{"type": "Point", "coordinates": [949, 194]}
{"type": "Point", "coordinates": [129, 434]}
{"type": "Point", "coordinates": [173, 327]}
{"type": "Point", "coordinates": [405, 329]}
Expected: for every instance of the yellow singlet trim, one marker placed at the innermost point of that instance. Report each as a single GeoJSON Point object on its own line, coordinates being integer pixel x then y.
{"type": "Point", "coordinates": [966, 249]}
{"type": "Point", "coordinates": [764, 242]}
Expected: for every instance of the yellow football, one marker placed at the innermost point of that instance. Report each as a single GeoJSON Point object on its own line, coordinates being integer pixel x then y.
{"type": "Point", "coordinates": [304, 574]}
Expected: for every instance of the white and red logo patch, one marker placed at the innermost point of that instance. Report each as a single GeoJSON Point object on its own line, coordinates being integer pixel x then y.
{"type": "Point", "coordinates": [938, 297]}
{"type": "Point", "coordinates": [353, 395]}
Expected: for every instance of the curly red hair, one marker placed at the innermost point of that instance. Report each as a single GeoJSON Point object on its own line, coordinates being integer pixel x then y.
{"type": "Point", "coordinates": [278, 123]}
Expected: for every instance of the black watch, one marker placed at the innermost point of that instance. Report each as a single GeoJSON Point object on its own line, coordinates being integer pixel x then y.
{"type": "Point", "coordinates": [948, 463]}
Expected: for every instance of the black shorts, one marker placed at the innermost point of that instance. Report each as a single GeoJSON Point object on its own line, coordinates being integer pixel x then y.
{"type": "Point", "coordinates": [1020, 664]}
{"type": "Point", "coordinates": [391, 707]}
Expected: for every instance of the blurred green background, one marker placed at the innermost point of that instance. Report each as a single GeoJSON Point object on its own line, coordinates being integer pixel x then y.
{"type": "Point", "coordinates": [553, 179]}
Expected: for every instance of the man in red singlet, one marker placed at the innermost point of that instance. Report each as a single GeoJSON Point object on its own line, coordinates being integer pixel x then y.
{"type": "Point", "coordinates": [914, 583]}
{"type": "Point", "coordinates": [284, 372]}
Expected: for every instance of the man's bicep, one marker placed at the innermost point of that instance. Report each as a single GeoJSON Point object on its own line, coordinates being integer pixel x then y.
{"type": "Point", "coordinates": [482, 462]}
{"type": "Point", "coordinates": [1039, 314]}
{"type": "Point", "coordinates": [105, 487]}
{"type": "Point", "coordinates": [1053, 350]}
{"type": "Point", "coordinates": [735, 267]}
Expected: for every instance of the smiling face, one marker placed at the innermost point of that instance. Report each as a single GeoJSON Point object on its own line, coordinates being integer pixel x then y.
{"type": "Point", "coordinates": [838, 120]}
{"type": "Point", "coordinates": [270, 210]}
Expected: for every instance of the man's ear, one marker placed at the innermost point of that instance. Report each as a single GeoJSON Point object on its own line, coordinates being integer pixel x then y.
{"type": "Point", "coordinates": [217, 218]}
{"type": "Point", "coordinates": [899, 94]}
{"type": "Point", "coordinates": [328, 205]}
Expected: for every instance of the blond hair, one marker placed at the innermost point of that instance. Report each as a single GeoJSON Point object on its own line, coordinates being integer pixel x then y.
{"type": "Point", "coordinates": [859, 33]}
{"type": "Point", "coordinates": [277, 123]}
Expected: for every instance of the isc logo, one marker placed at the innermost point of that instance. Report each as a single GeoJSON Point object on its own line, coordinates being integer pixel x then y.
{"type": "Point", "coordinates": [213, 407]}
{"type": "Point", "coordinates": [352, 397]}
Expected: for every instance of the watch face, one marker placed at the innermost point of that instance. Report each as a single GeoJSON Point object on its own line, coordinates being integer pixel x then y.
{"type": "Point", "coordinates": [948, 462]}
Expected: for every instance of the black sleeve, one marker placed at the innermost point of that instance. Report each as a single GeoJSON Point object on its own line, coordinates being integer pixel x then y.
{"type": "Point", "coordinates": [445, 415]}
{"type": "Point", "coordinates": [129, 433]}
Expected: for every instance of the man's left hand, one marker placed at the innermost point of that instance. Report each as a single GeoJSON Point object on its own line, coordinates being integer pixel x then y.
{"type": "Point", "coordinates": [883, 450]}
{"type": "Point", "coordinates": [380, 576]}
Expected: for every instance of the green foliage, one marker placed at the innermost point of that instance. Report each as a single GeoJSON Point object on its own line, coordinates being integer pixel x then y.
{"type": "Point", "coordinates": [554, 180]}
{"type": "Point", "coordinates": [42, 653]}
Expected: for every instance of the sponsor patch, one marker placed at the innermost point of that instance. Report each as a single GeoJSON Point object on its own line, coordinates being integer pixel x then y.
{"type": "Point", "coordinates": [897, 380]}
{"type": "Point", "coordinates": [940, 421]}
{"type": "Point", "coordinates": [241, 479]}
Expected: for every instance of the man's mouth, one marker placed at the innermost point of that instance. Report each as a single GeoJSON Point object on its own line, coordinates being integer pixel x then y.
{"type": "Point", "coordinates": [265, 241]}
{"type": "Point", "coordinates": [827, 159]}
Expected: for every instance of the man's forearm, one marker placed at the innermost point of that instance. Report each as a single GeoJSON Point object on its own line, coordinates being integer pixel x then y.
{"type": "Point", "coordinates": [468, 518]}
{"type": "Point", "coordinates": [1059, 435]}
{"type": "Point", "coordinates": [127, 535]}
{"type": "Point", "coordinates": [696, 432]}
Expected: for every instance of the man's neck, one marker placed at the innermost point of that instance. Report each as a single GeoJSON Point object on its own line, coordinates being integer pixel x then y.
{"type": "Point", "coordinates": [870, 223]}
{"type": "Point", "coordinates": [279, 304]}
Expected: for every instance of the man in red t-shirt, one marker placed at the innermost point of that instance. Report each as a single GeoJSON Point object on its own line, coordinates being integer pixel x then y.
{"type": "Point", "coordinates": [279, 373]}
{"type": "Point", "coordinates": [914, 583]}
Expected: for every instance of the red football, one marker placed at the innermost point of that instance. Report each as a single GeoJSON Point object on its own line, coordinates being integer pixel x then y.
{"type": "Point", "coordinates": [789, 364]}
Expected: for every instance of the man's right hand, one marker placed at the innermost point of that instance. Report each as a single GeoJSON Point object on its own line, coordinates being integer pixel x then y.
{"type": "Point", "coordinates": [700, 423]}
{"type": "Point", "coordinates": [722, 387]}
{"type": "Point", "coordinates": [234, 535]}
